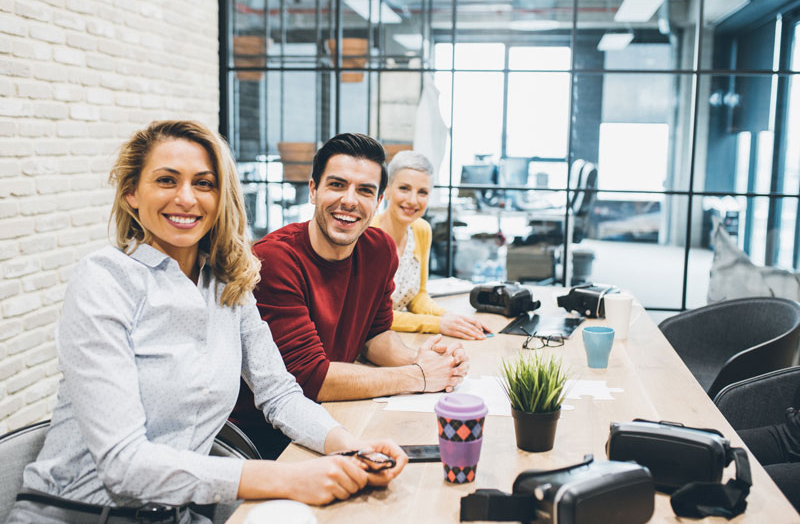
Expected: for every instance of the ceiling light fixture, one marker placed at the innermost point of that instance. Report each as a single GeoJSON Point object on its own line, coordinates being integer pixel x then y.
{"type": "Point", "coordinates": [412, 41]}
{"type": "Point", "coordinates": [637, 10]}
{"type": "Point", "coordinates": [384, 13]}
{"type": "Point", "coordinates": [614, 41]}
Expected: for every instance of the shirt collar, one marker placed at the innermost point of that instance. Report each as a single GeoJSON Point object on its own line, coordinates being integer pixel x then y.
{"type": "Point", "coordinates": [148, 255]}
{"type": "Point", "coordinates": [152, 257]}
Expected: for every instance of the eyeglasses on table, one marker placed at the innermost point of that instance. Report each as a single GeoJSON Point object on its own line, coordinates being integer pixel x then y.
{"type": "Point", "coordinates": [536, 341]}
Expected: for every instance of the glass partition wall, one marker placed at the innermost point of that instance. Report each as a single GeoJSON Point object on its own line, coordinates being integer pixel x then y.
{"type": "Point", "coordinates": [574, 140]}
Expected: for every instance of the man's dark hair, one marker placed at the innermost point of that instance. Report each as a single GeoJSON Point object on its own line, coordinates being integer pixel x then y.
{"type": "Point", "coordinates": [351, 144]}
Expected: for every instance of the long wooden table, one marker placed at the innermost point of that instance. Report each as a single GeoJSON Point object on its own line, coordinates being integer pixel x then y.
{"type": "Point", "coordinates": [657, 386]}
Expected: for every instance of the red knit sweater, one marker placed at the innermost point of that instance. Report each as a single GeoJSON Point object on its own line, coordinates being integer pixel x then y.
{"type": "Point", "coordinates": [321, 311]}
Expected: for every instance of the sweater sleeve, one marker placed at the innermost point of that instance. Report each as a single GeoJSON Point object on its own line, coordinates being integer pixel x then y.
{"type": "Point", "coordinates": [282, 299]}
{"type": "Point", "coordinates": [423, 313]}
{"type": "Point", "coordinates": [416, 323]}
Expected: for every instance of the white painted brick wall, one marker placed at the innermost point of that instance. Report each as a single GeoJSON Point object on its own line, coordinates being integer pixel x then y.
{"type": "Point", "coordinates": [77, 77]}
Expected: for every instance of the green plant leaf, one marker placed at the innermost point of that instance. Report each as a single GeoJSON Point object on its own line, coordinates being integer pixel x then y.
{"type": "Point", "coordinates": [533, 383]}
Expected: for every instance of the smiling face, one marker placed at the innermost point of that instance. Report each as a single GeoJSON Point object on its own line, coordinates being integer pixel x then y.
{"type": "Point", "coordinates": [344, 204]}
{"type": "Point", "coordinates": [177, 198]}
{"type": "Point", "coordinates": [408, 195]}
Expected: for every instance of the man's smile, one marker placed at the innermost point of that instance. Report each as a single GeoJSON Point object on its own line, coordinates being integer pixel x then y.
{"type": "Point", "coordinates": [345, 218]}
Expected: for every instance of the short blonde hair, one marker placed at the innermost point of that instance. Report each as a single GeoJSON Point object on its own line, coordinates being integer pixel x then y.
{"type": "Point", "coordinates": [227, 241]}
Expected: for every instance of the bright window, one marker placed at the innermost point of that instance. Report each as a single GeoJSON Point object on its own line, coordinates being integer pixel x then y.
{"type": "Point", "coordinates": [537, 114]}
{"type": "Point", "coordinates": [632, 155]}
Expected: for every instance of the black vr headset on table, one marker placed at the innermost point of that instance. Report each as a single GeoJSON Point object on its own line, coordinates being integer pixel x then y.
{"type": "Point", "coordinates": [644, 457]}
{"type": "Point", "coordinates": [687, 462]}
{"type": "Point", "coordinates": [504, 298]}
{"type": "Point", "coordinates": [587, 299]}
{"type": "Point", "coordinates": [608, 491]}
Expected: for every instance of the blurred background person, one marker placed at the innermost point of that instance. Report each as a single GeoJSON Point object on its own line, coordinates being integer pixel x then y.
{"type": "Point", "coordinates": [410, 186]}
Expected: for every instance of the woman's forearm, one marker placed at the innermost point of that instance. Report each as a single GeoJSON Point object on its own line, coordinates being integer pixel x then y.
{"type": "Point", "coordinates": [339, 439]}
{"type": "Point", "coordinates": [261, 479]}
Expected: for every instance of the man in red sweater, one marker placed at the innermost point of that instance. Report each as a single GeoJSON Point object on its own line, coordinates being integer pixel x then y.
{"type": "Point", "coordinates": [326, 289]}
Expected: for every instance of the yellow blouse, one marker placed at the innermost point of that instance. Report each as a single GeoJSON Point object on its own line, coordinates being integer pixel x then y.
{"type": "Point", "coordinates": [423, 313]}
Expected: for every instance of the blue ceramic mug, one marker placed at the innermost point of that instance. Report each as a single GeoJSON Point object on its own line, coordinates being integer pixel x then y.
{"type": "Point", "coordinates": [597, 341]}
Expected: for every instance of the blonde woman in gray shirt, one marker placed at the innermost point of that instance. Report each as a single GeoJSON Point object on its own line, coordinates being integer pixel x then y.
{"type": "Point", "coordinates": [153, 337]}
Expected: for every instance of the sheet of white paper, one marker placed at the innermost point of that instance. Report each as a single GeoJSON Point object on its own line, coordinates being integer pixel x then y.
{"type": "Point", "coordinates": [590, 388]}
{"type": "Point", "coordinates": [441, 287]}
{"type": "Point", "coordinates": [490, 390]}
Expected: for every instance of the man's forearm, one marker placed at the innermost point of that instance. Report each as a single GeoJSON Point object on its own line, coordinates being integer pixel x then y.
{"type": "Point", "coordinates": [387, 349]}
{"type": "Point", "coordinates": [355, 381]}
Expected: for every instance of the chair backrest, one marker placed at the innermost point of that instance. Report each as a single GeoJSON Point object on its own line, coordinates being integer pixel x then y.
{"type": "Point", "coordinates": [582, 201]}
{"type": "Point", "coordinates": [760, 401]}
{"type": "Point", "coordinates": [229, 442]}
{"type": "Point", "coordinates": [20, 447]}
{"type": "Point", "coordinates": [232, 436]}
{"type": "Point", "coordinates": [17, 449]}
{"type": "Point", "coordinates": [737, 339]}
{"type": "Point", "coordinates": [575, 180]}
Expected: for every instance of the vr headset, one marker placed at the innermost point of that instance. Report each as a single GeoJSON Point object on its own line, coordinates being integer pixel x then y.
{"type": "Point", "coordinates": [643, 457]}
{"type": "Point", "coordinates": [588, 492]}
{"type": "Point", "coordinates": [586, 300]}
{"type": "Point", "coordinates": [687, 462]}
{"type": "Point", "coordinates": [508, 299]}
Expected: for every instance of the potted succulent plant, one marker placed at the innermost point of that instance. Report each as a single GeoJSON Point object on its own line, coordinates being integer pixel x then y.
{"type": "Point", "coordinates": [536, 386]}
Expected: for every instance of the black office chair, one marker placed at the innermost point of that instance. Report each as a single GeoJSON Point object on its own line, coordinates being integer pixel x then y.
{"type": "Point", "coordinates": [574, 183]}
{"type": "Point", "coordinates": [760, 401]}
{"type": "Point", "coordinates": [584, 198]}
{"type": "Point", "coordinates": [734, 340]}
{"type": "Point", "coordinates": [233, 437]}
{"type": "Point", "coordinates": [229, 442]}
{"type": "Point", "coordinates": [20, 447]}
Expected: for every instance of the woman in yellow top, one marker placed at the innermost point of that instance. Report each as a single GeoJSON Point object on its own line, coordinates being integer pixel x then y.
{"type": "Point", "coordinates": [410, 185]}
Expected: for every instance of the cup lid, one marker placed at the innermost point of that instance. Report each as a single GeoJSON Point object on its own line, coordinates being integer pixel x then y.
{"type": "Point", "coordinates": [285, 511]}
{"type": "Point", "coordinates": [461, 405]}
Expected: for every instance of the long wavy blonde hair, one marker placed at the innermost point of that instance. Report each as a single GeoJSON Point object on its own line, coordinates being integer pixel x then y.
{"type": "Point", "coordinates": [226, 242]}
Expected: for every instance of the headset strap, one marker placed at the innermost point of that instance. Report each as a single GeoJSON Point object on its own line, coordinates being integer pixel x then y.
{"type": "Point", "coordinates": [600, 300]}
{"type": "Point", "coordinates": [707, 499]}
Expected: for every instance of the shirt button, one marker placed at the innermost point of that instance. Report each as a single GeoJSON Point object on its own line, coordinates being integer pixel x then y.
{"type": "Point", "coordinates": [205, 391]}
{"type": "Point", "coordinates": [217, 497]}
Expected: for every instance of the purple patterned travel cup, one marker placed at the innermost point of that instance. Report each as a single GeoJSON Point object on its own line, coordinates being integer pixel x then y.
{"type": "Point", "coordinates": [460, 419]}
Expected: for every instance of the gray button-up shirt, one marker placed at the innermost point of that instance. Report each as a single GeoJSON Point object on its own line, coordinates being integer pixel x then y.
{"type": "Point", "coordinates": [151, 366]}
